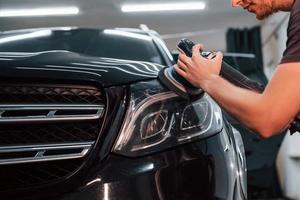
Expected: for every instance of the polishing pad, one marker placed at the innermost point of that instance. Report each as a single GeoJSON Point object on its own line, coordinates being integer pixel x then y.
{"type": "Point", "coordinates": [176, 83]}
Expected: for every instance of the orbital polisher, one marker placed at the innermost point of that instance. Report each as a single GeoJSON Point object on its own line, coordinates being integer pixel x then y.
{"type": "Point", "coordinates": [176, 83]}
{"type": "Point", "coordinates": [184, 89]}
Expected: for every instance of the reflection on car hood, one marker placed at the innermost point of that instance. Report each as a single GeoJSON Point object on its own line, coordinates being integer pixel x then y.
{"type": "Point", "coordinates": [62, 64]}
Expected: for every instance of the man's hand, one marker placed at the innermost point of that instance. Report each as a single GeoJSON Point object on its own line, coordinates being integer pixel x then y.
{"type": "Point", "coordinates": [197, 69]}
{"type": "Point", "coordinates": [267, 113]}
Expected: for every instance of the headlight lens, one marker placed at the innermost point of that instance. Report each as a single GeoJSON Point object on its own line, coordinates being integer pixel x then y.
{"type": "Point", "coordinates": [158, 119]}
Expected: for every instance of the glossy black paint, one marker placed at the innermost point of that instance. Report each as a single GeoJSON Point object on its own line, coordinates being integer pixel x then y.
{"type": "Point", "coordinates": [74, 66]}
{"type": "Point", "coordinates": [200, 170]}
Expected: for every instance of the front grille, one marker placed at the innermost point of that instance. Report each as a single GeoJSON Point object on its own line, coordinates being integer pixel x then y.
{"type": "Point", "coordinates": [49, 94]}
{"type": "Point", "coordinates": [46, 131]}
{"type": "Point", "coordinates": [29, 134]}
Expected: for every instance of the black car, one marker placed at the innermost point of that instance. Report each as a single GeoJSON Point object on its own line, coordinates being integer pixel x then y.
{"type": "Point", "coordinates": [84, 116]}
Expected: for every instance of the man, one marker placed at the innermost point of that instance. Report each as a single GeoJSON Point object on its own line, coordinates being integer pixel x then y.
{"type": "Point", "coordinates": [273, 110]}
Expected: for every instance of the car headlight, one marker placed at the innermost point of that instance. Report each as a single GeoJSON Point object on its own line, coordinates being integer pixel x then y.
{"type": "Point", "coordinates": [157, 119]}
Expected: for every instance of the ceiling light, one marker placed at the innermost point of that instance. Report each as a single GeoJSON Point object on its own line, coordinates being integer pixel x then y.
{"type": "Point", "coordinates": [163, 7]}
{"type": "Point", "coordinates": [39, 12]}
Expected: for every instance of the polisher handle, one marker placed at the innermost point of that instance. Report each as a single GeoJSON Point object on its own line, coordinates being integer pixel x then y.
{"type": "Point", "coordinates": [239, 79]}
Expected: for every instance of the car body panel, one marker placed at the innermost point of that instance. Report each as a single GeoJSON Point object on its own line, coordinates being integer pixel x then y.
{"type": "Point", "coordinates": [193, 171]}
{"type": "Point", "coordinates": [61, 64]}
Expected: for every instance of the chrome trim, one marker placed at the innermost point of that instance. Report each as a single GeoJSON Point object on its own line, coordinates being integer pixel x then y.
{"type": "Point", "coordinates": [51, 115]}
{"type": "Point", "coordinates": [41, 150]}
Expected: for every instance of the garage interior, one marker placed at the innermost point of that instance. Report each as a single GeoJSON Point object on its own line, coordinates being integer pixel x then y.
{"type": "Point", "coordinates": [272, 164]}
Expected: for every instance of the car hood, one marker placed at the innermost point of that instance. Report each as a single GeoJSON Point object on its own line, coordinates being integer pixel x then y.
{"type": "Point", "coordinates": [70, 65]}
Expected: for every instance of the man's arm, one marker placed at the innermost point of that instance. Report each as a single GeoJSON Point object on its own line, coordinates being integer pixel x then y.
{"type": "Point", "coordinates": [267, 113]}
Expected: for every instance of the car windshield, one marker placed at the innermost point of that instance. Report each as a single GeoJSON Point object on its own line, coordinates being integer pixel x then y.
{"type": "Point", "coordinates": [110, 43]}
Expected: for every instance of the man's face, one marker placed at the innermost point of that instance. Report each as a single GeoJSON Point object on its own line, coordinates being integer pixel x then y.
{"type": "Point", "coordinates": [262, 8]}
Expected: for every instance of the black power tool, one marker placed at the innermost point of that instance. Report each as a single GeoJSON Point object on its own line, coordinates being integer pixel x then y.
{"type": "Point", "coordinates": [176, 83]}
{"type": "Point", "coordinates": [183, 88]}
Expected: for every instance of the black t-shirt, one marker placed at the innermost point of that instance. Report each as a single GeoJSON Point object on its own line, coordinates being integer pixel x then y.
{"type": "Point", "coordinates": [292, 52]}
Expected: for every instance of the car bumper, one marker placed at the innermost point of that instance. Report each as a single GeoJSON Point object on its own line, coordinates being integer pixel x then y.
{"type": "Point", "coordinates": [206, 169]}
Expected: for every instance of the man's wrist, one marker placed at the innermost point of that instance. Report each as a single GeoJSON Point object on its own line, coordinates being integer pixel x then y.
{"type": "Point", "coordinates": [207, 84]}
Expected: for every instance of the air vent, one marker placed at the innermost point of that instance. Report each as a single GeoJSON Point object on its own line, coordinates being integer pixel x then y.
{"type": "Point", "coordinates": [46, 131]}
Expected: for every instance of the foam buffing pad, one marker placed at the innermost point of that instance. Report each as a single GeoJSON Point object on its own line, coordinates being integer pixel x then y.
{"type": "Point", "coordinates": [178, 84]}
